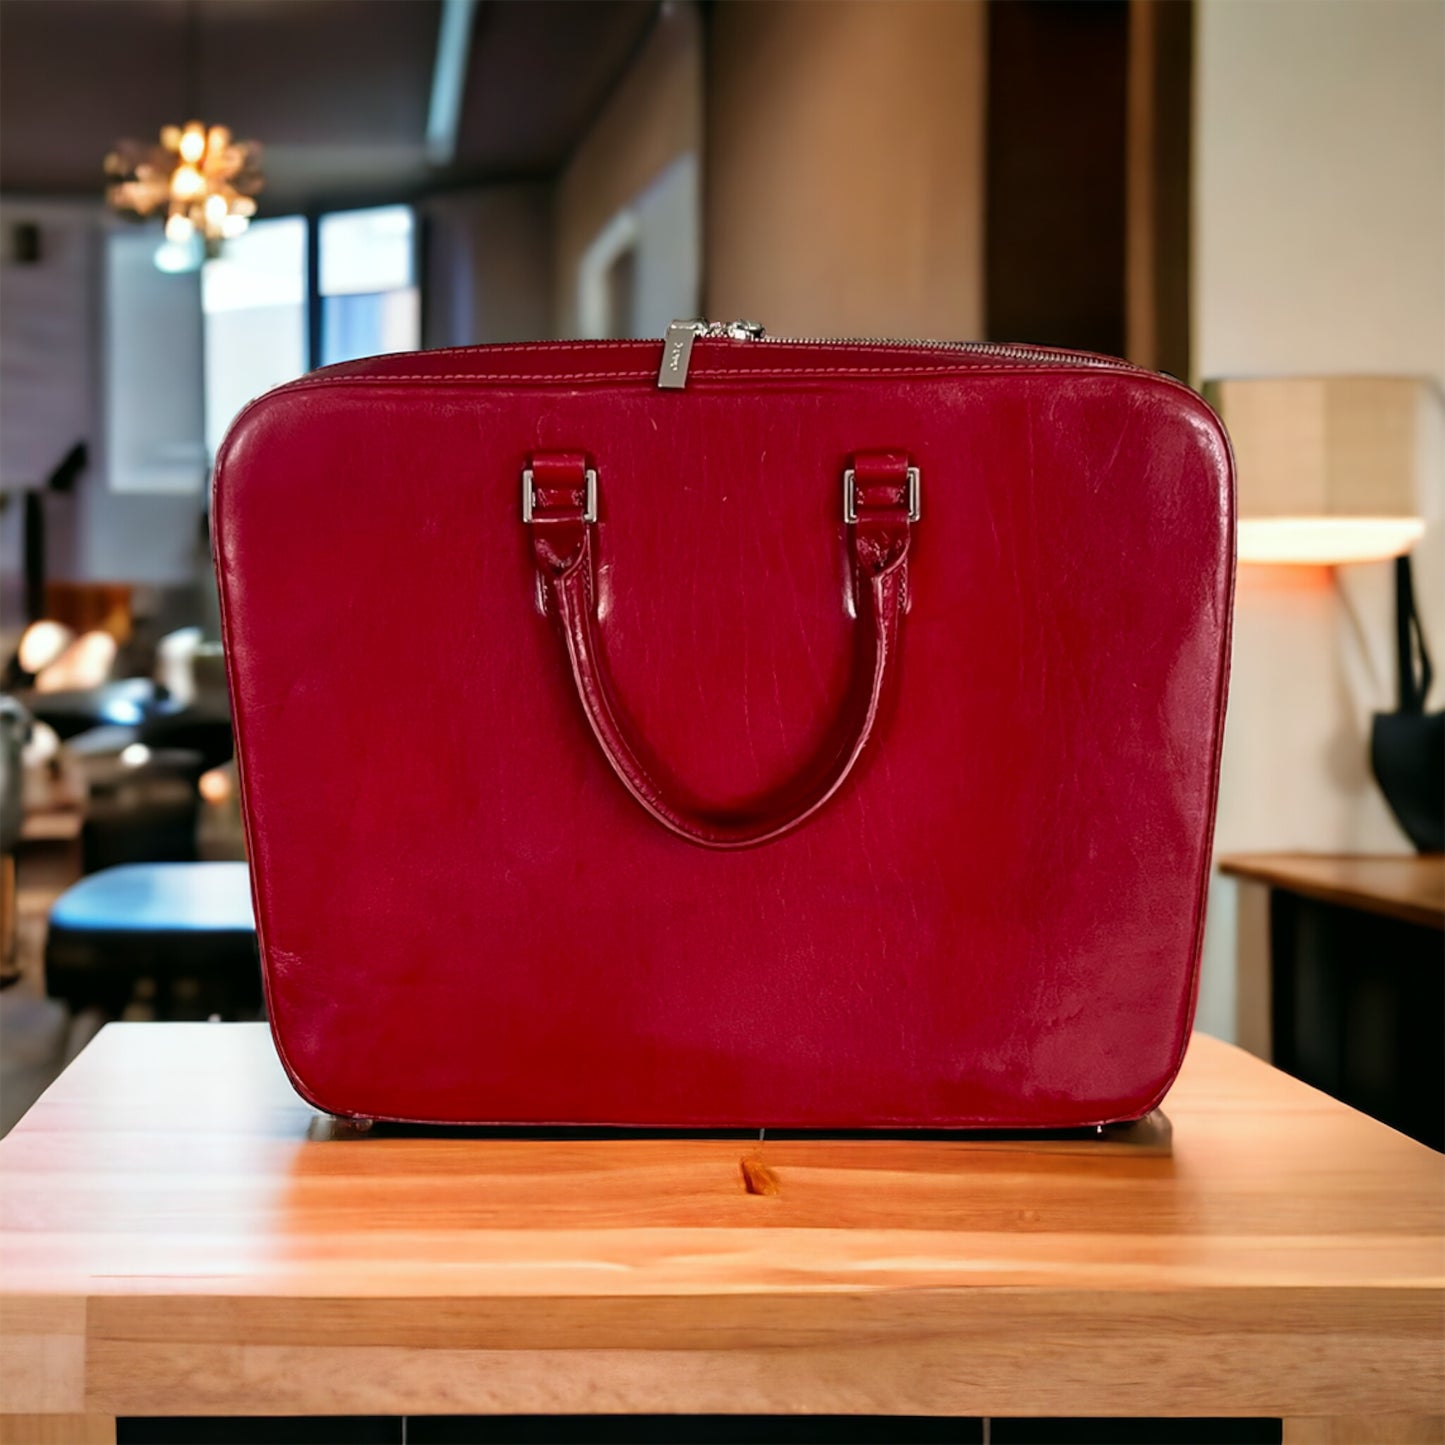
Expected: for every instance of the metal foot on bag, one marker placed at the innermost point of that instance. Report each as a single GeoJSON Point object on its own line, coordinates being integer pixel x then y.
{"type": "Point", "coordinates": [1153, 1134]}
{"type": "Point", "coordinates": [325, 1128]}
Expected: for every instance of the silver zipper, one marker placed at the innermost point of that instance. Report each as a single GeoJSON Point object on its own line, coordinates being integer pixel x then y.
{"type": "Point", "coordinates": [680, 336]}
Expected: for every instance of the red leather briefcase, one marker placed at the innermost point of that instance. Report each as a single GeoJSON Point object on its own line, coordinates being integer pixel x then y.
{"type": "Point", "coordinates": [729, 732]}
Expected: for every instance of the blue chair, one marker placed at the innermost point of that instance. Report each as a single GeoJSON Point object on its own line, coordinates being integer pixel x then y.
{"type": "Point", "coordinates": [187, 926]}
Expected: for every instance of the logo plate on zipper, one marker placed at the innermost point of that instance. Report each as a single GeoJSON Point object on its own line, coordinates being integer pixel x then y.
{"type": "Point", "coordinates": [677, 345]}
{"type": "Point", "coordinates": [677, 354]}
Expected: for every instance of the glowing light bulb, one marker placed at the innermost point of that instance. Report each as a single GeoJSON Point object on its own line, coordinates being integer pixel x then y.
{"type": "Point", "coordinates": [193, 142]}
{"type": "Point", "coordinates": [179, 227]}
{"type": "Point", "coordinates": [85, 663]}
{"type": "Point", "coordinates": [215, 786]}
{"type": "Point", "coordinates": [187, 183]}
{"type": "Point", "coordinates": [135, 755]}
{"type": "Point", "coordinates": [177, 257]}
{"type": "Point", "coordinates": [216, 210]}
{"type": "Point", "coordinates": [42, 643]}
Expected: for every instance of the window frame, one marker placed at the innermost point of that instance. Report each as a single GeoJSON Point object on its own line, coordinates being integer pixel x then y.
{"type": "Point", "coordinates": [313, 216]}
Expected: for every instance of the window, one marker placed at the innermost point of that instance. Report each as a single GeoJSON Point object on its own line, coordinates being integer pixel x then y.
{"type": "Point", "coordinates": [184, 353]}
{"type": "Point", "coordinates": [368, 293]}
{"type": "Point", "coordinates": [258, 303]}
{"type": "Point", "coordinates": [253, 298]}
{"type": "Point", "coordinates": [152, 351]}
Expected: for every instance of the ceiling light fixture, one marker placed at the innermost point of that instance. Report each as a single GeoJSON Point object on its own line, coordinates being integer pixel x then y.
{"type": "Point", "coordinates": [203, 180]}
{"type": "Point", "coordinates": [200, 177]}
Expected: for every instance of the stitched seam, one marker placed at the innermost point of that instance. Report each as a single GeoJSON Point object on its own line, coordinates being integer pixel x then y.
{"type": "Point", "coordinates": [492, 348]}
{"type": "Point", "coordinates": [535, 347]}
{"type": "Point", "coordinates": [547, 379]}
{"type": "Point", "coordinates": [617, 343]}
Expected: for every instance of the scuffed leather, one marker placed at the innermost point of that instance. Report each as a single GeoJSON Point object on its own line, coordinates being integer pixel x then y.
{"type": "Point", "coordinates": [995, 920]}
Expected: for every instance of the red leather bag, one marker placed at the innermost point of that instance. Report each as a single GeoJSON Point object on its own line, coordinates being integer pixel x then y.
{"type": "Point", "coordinates": [816, 735]}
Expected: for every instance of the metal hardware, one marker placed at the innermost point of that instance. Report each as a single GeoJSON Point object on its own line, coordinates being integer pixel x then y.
{"type": "Point", "coordinates": [742, 330]}
{"type": "Point", "coordinates": [677, 348]}
{"type": "Point", "coordinates": [677, 345]}
{"type": "Point", "coordinates": [589, 505]}
{"type": "Point", "coordinates": [915, 496]}
{"type": "Point", "coordinates": [677, 353]}
{"type": "Point", "coordinates": [1003, 351]}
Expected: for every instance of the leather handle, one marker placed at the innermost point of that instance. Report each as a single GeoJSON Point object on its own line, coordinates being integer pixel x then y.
{"type": "Point", "coordinates": [559, 505]}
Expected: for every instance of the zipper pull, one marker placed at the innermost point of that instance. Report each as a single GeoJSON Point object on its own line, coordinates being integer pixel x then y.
{"type": "Point", "coordinates": [679, 337]}
{"type": "Point", "coordinates": [677, 353]}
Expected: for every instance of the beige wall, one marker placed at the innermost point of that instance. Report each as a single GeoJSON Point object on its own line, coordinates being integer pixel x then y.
{"type": "Point", "coordinates": [844, 166]}
{"type": "Point", "coordinates": [1320, 247]}
{"type": "Point", "coordinates": [653, 119]}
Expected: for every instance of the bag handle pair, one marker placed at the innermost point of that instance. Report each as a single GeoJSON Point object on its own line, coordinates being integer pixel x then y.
{"type": "Point", "coordinates": [880, 505]}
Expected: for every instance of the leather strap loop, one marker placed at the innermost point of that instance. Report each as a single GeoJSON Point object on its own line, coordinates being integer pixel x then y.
{"type": "Point", "coordinates": [563, 542]}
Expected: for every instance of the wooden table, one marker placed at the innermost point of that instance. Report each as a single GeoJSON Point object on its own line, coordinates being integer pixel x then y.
{"type": "Point", "coordinates": [1410, 887]}
{"type": "Point", "coordinates": [182, 1235]}
{"type": "Point", "coordinates": [1340, 980]}
{"type": "Point", "coordinates": [52, 825]}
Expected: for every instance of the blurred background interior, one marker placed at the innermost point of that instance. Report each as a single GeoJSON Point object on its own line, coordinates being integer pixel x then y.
{"type": "Point", "coordinates": [1245, 193]}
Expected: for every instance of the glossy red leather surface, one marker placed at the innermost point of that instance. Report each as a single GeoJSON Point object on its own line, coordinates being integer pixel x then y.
{"type": "Point", "coordinates": [465, 913]}
{"type": "Point", "coordinates": [878, 540]}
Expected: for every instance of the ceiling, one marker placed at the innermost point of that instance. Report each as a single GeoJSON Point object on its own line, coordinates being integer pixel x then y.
{"type": "Point", "coordinates": [337, 91]}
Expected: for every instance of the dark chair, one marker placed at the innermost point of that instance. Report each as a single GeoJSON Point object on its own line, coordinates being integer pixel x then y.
{"type": "Point", "coordinates": [186, 926]}
{"type": "Point", "coordinates": [141, 803]}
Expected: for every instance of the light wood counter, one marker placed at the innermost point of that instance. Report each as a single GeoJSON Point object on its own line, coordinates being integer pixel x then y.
{"type": "Point", "coordinates": [180, 1234]}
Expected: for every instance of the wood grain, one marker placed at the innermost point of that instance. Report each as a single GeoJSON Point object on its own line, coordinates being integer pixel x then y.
{"type": "Point", "coordinates": [1366, 1430]}
{"type": "Point", "coordinates": [1411, 888]}
{"type": "Point", "coordinates": [176, 1236]}
{"type": "Point", "coordinates": [42, 1352]}
{"type": "Point", "coordinates": [844, 180]}
{"type": "Point", "coordinates": [1157, 185]}
{"type": "Point", "coordinates": [57, 1430]}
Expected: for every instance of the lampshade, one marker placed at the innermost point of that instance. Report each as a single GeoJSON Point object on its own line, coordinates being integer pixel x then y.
{"type": "Point", "coordinates": [1331, 469]}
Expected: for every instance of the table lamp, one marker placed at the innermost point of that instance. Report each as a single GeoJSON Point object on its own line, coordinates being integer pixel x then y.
{"type": "Point", "coordinates": [1332, 470]}
{"type": "Point", "coordinates": [1330, 467]}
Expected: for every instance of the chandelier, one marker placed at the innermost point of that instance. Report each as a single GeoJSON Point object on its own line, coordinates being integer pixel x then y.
{"type": "Point", "coordinates": [203, 179]}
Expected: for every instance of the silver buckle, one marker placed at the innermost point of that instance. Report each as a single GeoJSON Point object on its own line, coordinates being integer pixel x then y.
{"type": "Point", "coordinates": [850, 496]}
{"type": "Point", "coordinates": [589, 503]}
